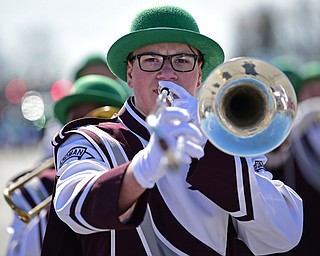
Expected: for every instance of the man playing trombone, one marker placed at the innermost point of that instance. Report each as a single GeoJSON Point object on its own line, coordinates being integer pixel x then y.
{"type": "Point", "coordinates": [148, 182]}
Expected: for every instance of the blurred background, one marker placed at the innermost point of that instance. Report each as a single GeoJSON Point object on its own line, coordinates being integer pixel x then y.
{"type": "Point", "coordinates": [42, 44]}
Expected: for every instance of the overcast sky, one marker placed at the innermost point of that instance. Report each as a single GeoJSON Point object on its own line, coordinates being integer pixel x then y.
{"type": "Point", "coordinates": [80, 27]}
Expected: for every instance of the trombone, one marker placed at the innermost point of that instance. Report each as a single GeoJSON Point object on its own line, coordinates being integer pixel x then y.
{"type": "Point", "coordinates": [27, 215]}
{"type": "Point", "coordinates": [23, 215]}
{"type": "Point", "coordinates": [246, 107]}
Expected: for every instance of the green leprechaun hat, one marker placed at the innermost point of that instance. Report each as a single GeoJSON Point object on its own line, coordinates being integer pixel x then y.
{"type": "Point", "coordinates": [165, 24]}
{"type": "Point", "coordinates": [98, 89]}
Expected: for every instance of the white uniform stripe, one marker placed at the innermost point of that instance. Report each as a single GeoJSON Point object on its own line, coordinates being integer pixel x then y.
{"type": "Point", "coordinates": [118, 155]}
{"type": "Point", "coordinates": [80, 203]}
{"type": "Point", "coordinates": [242, 200]}
{"type": "Point", "coordinates": [113, 242]}
{"type": "Point", "coordinates": [142, 140]}
{"type": "Point", "coordinates": [164, 240]}
{"type": "Point", "coordinates": [138, 118]}
{"type": "Point", "coordinates": [144, 241]}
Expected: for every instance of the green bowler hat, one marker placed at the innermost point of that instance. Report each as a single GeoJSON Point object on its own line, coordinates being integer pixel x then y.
{"type": "Point", "coordinates": [165, 24]}
{"type": "Point", "coordinates": [309, 71]}
{"type": "Point", "coordinates": [90, 89]}
{"type": "Point", "coordinates": [92, 60]}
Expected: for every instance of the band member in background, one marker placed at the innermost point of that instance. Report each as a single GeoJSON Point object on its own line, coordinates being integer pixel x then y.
{"type": "Point", "coordinates": [297, 160]}
{"type": "Point", "coordinates": [157, 187]}
{"type": "Point", "coordinates": [90, 93]}
{"type": "Point", "coordinates": [95, 64]}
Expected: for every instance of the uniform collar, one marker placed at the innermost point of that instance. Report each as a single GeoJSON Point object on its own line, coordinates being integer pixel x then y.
{"type": "Point", "coordinates": [134, 120]}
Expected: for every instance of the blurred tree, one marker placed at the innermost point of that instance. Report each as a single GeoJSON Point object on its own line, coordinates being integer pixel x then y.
{"type": "Point", "coordinates": [33, 59]}
{"type": "Point", "coordinates": [38, 59]}
{"type": "Point", "coordinates": [268, 31]}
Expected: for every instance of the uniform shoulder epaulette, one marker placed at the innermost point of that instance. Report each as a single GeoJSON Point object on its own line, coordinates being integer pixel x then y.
{"type": "Point", "coordinates": [72, 126]}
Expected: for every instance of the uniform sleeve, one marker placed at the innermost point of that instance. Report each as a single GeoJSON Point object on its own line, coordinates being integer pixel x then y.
{"type": "Point", "coordinates": [88, 186]}
{"type": "Point", "coordinates": [267, 214]}
{"type": "Point", "coordinates": [276, 221]}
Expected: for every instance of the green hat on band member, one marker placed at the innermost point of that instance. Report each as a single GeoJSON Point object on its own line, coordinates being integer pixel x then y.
{"type": "Point", "coordinates": [165, 24]}
{"type": "Point", "coordinates": [90, 89]}
{"type": "Point", "coordinates": [310, 70]}
{"type": "Point", "coordinates": [92, 60]}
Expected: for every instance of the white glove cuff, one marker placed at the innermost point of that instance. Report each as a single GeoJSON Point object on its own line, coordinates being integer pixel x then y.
{"type": "Point", "coordinates": [137, 171]}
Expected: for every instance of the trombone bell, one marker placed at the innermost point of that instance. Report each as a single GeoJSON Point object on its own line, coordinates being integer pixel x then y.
{"type": "Point", "coordinates": [246, 107]}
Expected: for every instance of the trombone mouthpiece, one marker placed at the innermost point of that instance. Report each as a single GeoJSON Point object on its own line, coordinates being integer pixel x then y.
{"type": "Point", "coordinates": [164, 89]}
{"type": "Point", "coordinates": [166, 93]}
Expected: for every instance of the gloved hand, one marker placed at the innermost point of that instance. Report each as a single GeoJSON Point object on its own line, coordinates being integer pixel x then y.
{"type": "Point", "coordinates": [185, 101]}
{"type": "Point", "coordinates": [149, 164]}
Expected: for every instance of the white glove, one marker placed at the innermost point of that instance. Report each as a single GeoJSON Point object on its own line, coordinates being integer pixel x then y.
{"type": "Point", "coordinates": [185, 101]}
{"type": "Point", "coordinates": [149, 165]}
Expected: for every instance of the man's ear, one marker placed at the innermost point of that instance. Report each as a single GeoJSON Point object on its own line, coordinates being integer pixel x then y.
{"type": "Point", "coordinates": [199, 78]}
{"type": "Point", "coordinates": [129, 74]}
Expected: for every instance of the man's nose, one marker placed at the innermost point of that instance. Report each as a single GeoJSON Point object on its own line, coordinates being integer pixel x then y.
{"type": "Point", "coordinates": [167, 72]}
{"type": "Point", "coordinates": [167, 64]}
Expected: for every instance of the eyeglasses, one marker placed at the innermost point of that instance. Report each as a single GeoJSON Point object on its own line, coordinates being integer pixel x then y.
{"type": "Point", "coordinates": [150, 62]}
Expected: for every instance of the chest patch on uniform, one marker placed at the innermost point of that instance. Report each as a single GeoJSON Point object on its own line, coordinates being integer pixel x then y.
{"type": "Point", "coordinates": [258, 166]}
{"type": "Point", "coordinates": [76, 152]}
